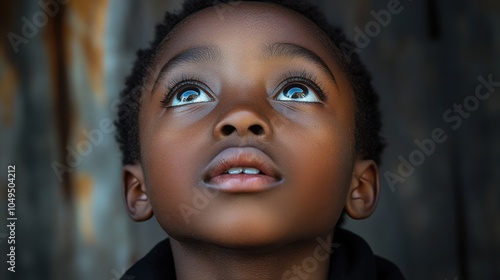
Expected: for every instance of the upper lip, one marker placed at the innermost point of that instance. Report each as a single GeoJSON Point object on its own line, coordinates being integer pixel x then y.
{"type": "Point", "coordinates": [241, 157]}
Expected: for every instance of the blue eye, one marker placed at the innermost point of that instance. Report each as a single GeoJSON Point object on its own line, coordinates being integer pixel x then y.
{"type": "Point", "coordinates": [298, 93]}
{"type": "Point", "coordinates": [190, 95]}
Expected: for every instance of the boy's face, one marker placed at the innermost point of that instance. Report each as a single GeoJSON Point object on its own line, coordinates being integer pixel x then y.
{"type": "Point", "coordinates": [253, 77]}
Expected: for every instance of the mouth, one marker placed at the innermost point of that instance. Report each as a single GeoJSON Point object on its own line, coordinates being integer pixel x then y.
{"type": "Point", "coordinates": [239, 170]}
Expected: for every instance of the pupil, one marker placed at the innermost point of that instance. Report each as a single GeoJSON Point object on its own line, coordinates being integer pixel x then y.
{"type": "Point", "coordinates": [189, 95]}
{"type": "Point", "coordinates": [296, 91]}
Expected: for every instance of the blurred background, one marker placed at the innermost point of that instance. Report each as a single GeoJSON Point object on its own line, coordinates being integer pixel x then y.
{"type": "Point", "coordinates": [436, 65]}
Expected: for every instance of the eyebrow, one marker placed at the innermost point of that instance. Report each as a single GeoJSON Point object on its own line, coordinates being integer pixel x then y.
{"type": "Point", "coordinates": [212, 53]}
{"type": "Point", "coordinates": [296, 51]}
{"type": "Point", "coordinates": [192, 55]}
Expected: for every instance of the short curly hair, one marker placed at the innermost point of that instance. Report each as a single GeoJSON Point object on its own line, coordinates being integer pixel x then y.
{"type": "Point", "coordinates": [369, 143]}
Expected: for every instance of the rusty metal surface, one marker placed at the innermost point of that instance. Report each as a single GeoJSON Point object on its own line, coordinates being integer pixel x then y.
{"type": "Point", "coordinates": [61, 72]}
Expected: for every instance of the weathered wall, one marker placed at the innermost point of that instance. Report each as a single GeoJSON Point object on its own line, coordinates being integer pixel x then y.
{"type": "Point", "coordinates": [58, 89]}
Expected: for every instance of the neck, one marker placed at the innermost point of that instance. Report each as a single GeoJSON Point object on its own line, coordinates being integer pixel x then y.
{"type": "Point", "coordinates": [300, 260]}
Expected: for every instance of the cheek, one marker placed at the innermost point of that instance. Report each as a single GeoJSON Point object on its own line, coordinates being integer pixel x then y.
{"type": "Point", "coordinates": [321, 167]}
{"type": "Point", "coordinates": [165, 170]}
{"type": "Point", "coordinates": [170, 159]}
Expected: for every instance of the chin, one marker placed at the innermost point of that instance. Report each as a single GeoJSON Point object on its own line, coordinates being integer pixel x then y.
{"type": "Point", "coordinates": [242, 233]}
{"type": "Point", "coordinates": [250, 238]}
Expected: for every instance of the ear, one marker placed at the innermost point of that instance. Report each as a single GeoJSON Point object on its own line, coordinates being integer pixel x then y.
{"type": "Point", "coordinates": [136, 197]}
{"type": "Point", "coordinates": [364, 190]}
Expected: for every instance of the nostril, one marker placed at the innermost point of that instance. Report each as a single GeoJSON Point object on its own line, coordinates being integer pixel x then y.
{"type": "Point", "coordinates": [227, 129]}
{"type": "Point", "coordinates": [256, 129]}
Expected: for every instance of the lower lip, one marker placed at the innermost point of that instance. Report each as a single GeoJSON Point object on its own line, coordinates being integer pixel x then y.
{"type": "Point", "coordinates": [239, 183]}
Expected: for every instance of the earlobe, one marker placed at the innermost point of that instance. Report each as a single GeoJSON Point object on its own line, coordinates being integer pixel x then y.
{"type": "Point", "coordinates": [136, 197]}
{"type": "Point", "coordinates": [364, 190]}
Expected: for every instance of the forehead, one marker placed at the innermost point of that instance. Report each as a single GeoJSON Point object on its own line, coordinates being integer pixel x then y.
{"type": "Point", "coordinates": [252, 24]}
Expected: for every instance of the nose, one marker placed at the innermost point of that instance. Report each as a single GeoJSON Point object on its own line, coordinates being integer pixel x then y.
{"type": "Point", "coordinates": [244, 123]}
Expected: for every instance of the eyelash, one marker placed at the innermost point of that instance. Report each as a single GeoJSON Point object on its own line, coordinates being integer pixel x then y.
{"type": "Point", "coordinates": [305, 78]}
{"type": "Point", "coordinates": [175, 84]}
{"type": "Point", "coordinates": [302, 77]}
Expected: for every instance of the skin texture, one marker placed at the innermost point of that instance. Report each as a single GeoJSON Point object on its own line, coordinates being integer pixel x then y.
{"type": "Point", "coordinates": [252, 233]}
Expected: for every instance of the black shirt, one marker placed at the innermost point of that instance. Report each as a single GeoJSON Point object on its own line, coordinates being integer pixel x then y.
{"type": "Point", "coordinates": [351, 259]}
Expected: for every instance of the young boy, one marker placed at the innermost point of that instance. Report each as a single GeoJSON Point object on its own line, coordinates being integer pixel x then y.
{"type": "Point", "coordinates": [247, 132]}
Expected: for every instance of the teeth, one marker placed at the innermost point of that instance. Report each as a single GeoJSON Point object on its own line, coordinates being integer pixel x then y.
{"type": "Point", "coordinates": [252, 171]}
{"type": "Point", "coordinates": [235, 170]}
{"type": "Point", "coordinates": [246, 170]}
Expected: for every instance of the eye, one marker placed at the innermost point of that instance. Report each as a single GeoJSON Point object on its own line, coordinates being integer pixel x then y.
{"type": "Point", "coordinates": [298, 93]}
{"type": "Point", "coordinates": [190, 95]}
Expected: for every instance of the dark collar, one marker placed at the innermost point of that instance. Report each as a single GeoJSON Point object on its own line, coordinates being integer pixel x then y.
{"type": "Point", "coordinates": [351, 259]}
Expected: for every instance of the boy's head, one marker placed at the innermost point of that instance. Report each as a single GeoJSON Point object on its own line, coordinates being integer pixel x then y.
{"type": "Point", "coordinates": [245, 124]}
